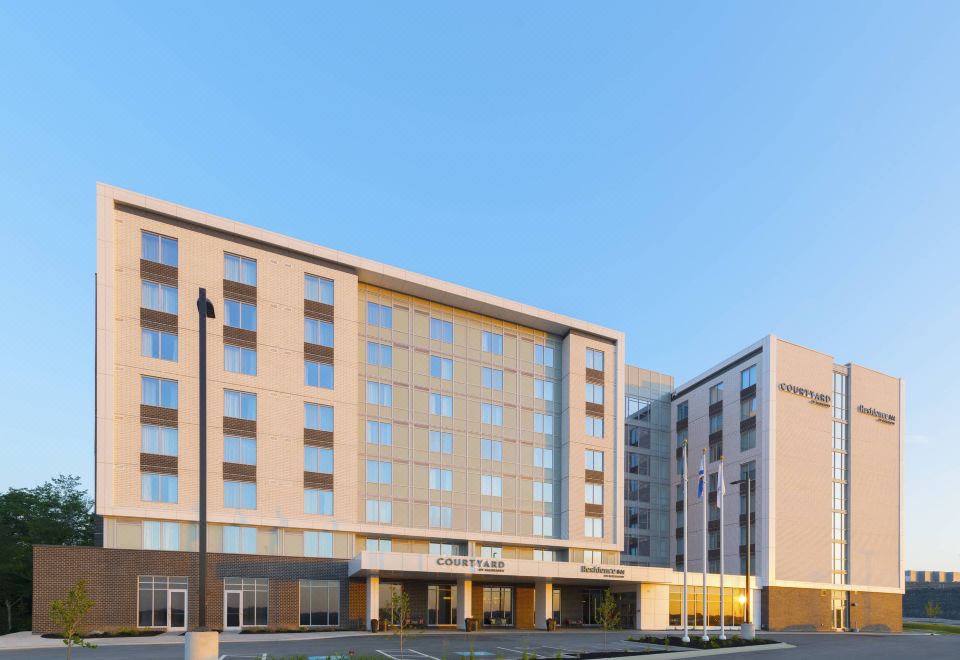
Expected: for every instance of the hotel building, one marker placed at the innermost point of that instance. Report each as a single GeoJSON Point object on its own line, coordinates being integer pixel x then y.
{"type": "Point", "coordinates": [372, 430]}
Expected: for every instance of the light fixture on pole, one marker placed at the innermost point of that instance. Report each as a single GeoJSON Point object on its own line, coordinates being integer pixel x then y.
{"type": "Point", "coordinates": [747, 629]}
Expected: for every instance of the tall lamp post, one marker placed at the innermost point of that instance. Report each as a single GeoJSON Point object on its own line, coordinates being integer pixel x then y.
{"type": "Point", "coordinates": [747, 630]}
{"type": "Point", "coordinates": [202, 643]}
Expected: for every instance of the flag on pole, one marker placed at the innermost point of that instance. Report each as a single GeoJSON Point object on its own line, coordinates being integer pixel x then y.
{"type": "Point", "coordinates": [721, 485]}
{"type": "Point", "coordinates": [701, 477]}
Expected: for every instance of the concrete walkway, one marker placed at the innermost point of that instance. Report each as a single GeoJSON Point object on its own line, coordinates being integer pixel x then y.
{"type": "Point", "coordinates": [27, 640]}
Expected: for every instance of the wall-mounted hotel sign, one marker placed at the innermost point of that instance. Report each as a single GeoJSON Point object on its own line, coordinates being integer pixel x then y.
{"type": "Point", "coordinates": [817, 398]}
{"type": "Point", "coordinates": [479, 565]}
{"type": "Point", "coordinates": [604, 571]}
{"type": "Point", "coordinates": [886, 418]}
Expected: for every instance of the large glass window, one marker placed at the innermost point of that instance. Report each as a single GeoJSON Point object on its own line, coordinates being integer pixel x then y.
{"type": "Point", "coordinates": [748, 439]}
{"type": "Point", "coordinates": [239, 315]}
{"type": "Point", "coordinates": [543, 389]}
{"type": "Point", "coordinates": [543, 457]}
{"type": "Point", "coordinates": [317, 417]}
{"type": "Point", "coordinates": [153, 606]}
{"type": "Point", "coordinates": [491, 414]}
{"type": "Point", "coordinates": [158, 297]}
{"type": "Point", "coordinates": [441, 442]}
{"type": "Point", "coordinates": [240, 450]}
{"type": "Point", "coordinates": [159, 392]}
{"type": "Point", "coordinates": [441, 404]}
{"type": "Point", "coordinates": [491, 449]}
{"type": "Point", "coordinates": [239, 269]}
{"type": "Point", "coordinates": [159, 440]}
{"type": "Point", "coordinates": [161, 535]}
{"type": "Point", "coordinates": [318, 374]}
{"type": "Point", "coordinates": [748, 377]}
{"type": "Point", "coordinates": [441, 479]}
{"type": "Point", "coordinates": [498, 606]}
{"type": "Point", "coordinates": [748, 407]}
{"type": "Point", "coordinates": [379, 354]}
{"type": "Point", "coordinates": [543, 423]}
{"type": "Point", "coordinates": [441, 605]}
{"type": "Point", "coordinates": [542, 526]}
{"type": "Point", "coordinates": [319, 603]}
{"type": "Point", "coordinates": [380, 433]}
{"type": "Point", "coordinates": [239, 495]}
{"type": "Point", "coordinates": [379, 315]}
{"type": "Point", "coordinates": [159, 249]}
{"type": "Point", "coordinates": [492, 378]}
{"type": "Point", "coordinates": [255, 596]}
{"type": "Point", "coordinates": [594, 359]}
{"type": "Point", "coordinates": [240, 540]}
{"type": "Point", "coordinates": [683, 411]}
{"type": "Point", "coordinates": [441, 516]}
{"type": "Point", "coordinates": [542, 491]}
{"type": "Point", "coordinates": [543, 355]}
{"type": "Point", "coordinates": [441, 367]}
{"type": "Point", "coordinates": [491, 484]}
{"type": "Point", "coordinates": [593, 527]}
{"type": "Point", "coordinates": [491, 521]}
{"type": "Point", "coordinates": [593, 493]}
{"type": "Point", "coordinates": [319, 502]}
{"type": "Point", "coordinates": [593, 460]}
{"type": "Point", "coordinates": [239, 360]}
{"type": "Point", "coordinates": [240, 405]}
{"type": "Point", "coordinates": [318, 289]}
{"type": "Point", "coordinates": [379, 472]}
{"type": "Point", "coordinates": [159, 345]}
{"type": "Point", "coordinates": [379, 393]}
{"type": "Point", "coordinates": [158, 487]}
{"type": "Point", "coordinates": [388, 593]}
{"type": "Point", "coordinates": [380, 511]}
{"type": "Point", "coordinates": [441, 330]}
{"type": "Point", "coordinates": [716, 393]}
{"type": "Point", "coordinates": [716, 422]}
{"type": "Point", "coordinates": [593, 426]}
{"type": "Point", "coordinates": [318, 544]}
{"type": "Point", "coordinates": [317, 332]}
{"type": "Point", "coordinates": [594, 393]}
{"type": "Point", "coordinates": [491, 343]}
{"type": "Point", "coordinates": [318, 459]}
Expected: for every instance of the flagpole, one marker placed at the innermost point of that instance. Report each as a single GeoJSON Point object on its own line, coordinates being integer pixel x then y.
{"type": "Point", "coordinates": [706, 503]}
{"type": "Point", "coordinates": [686, 530]}
{"type": "Point", "coordinates": [721, 491]}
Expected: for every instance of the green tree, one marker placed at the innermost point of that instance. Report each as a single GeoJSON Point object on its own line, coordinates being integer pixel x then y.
{"type": "Point", "coordinates": [400, 604]}
{"type": "Point", "coordinates": [932, 610]}
{"type": "Point", "coordinates": [68, 615]}
{"type": "Point", "coordinates": [608, 615]}
{"type": "Point", "coordinates": [57, 512]}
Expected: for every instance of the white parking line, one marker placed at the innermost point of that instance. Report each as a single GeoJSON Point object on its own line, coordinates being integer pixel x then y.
{"type": "Point", "coordinates": [529, 654]}
{"type": "Point", "coordinates": [423, 654]}
{"type": "Point", "coordinates": [385, 653]}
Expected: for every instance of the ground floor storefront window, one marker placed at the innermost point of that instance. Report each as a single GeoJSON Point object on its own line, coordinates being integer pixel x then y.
{"type": "Point", "coordinates": [319, 603]}
{"type": "Point", "coordinates": [441, 605]}
{"type": "Point", "coordinates": [733, 604]}
{"type": "Point", "coordinates": [162, 602]}
{"type": "Point", "coordinates": [498, 606]}
{"type": "Point", "coordinates": [245, 602]}
{"type": "Point", "coordinates": [387, 590]}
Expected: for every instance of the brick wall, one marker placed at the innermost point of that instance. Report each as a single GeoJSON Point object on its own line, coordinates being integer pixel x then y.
{"type": "Point", "coordinates": [877, 612]}
{"type": "Point", "coordinates": [790, 609]}
{"type": "Point", "coordinates": [112, 574]}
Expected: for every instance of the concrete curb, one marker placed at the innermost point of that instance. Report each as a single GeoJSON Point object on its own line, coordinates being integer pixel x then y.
{"type": "Point", "coordinates": [698, 653]}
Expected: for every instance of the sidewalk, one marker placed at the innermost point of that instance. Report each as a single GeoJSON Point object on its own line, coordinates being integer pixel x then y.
{"type": "Point", "coordinates": [27, 640]}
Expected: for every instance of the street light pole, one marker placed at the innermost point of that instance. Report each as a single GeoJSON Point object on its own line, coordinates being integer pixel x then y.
{"type": "Point", "coordinates": [748, 630]}
{"type": "Point", "coordinates": [205, 309]}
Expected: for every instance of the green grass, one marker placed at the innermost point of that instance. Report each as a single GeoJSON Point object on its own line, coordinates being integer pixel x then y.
{"type": "Point", "coordinates": [932, 627]}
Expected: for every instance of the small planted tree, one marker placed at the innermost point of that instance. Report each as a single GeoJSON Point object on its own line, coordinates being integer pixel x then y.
{"type": "Point", "coordinates": [932, 610]}
{"type": "Point", "coordinates": [68, 615]}
{"type": "Point", "coordinates": [608, 615]}
{"type": "Point", "coordinates": [400, 604]}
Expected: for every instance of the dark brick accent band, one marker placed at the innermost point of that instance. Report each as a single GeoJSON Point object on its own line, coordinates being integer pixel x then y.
{"type": "Point", "coordinates": [158, 415]}
{"type": "Point", "coordinates": [240, 337]}
{"type": "Point", "coordinates": [716, 408]}
{"type": "Point", "coordinates": [157, 272]}
{"type": "Point", "coordinates": [593, 509]}
{"type": "Point", "coordinates": [244, 427]}
{"type": "Point", "coordinates": [317, 310]}
{"type": "Point", "coordinates": [317, 438]}
{"type": "Point", "coordinates": [162, 321]}
{"type": "Point", "coordinates": [239, 472]}
{"type": "Point", "coordinates": [316, 353]}
{"type": "Point", "coordinates": [158, 463]}
{"type": "Point", "coordinates": [748, 423]}
{"type": "Point", "coordinates": [593, 476]}
{"type": "Point", "coordinates": [748, 392]}
{"type": "Point", "coordinates": [594, 376]}
{"type": "Point", "coordinates": [594, 408]}
{"type": "Point", "coordinates": [317, 480]}
{"type": "Point", "coordinates": [239, 291]}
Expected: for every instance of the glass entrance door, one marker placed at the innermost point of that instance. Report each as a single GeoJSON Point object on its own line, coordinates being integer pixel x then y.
{"type": "Point", "coordinates": [177, 609]}
{"type": "Point", "coordinates": [590, 604]}
{"type": "Point", "coordinates": [441, 605]}
{"type": "Point", "coordinates": [839, 606]}
{"type": "Point", "coordinates": [498, 606]}
{"type": "Point", "coordinates": [231, 609]}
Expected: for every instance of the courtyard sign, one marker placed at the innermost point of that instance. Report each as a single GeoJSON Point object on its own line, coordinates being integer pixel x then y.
{"type": "Point", "coordinates": [817, 398]}
{"type": "Point", "coordinates": [481, 565]}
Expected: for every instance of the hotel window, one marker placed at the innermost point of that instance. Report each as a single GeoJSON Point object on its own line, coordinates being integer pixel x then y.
{"type": "Point", "coordinates": [237, 540]}
{"type": "Point", "coordinates": [593, 527]}
{"type": "Point", "coordinates": [491, 343]}
{"type": "Point", "coordinates": [593, 426]}
{"type": "Point", "coordinates": [443, 549]}
{"type": "Point", "coordinates": [159, 392]}
{"type": "Point", "coordinates": [317, 332]}
{"type": "Point", "coordinates": [491, 552]}
{"type": "Point", "coordinates": [441, 404]}
{"type": "Point", "coordinates": [594, 359]}
{"type": "Point", "coordinates": [379, 545]}
{"type": "Point", "coordinates": [840, 396]}
{"type": "Point", "coordinates": [638, 518]}
{"type": "Point", "coordinates": [683, 411]}
{"type": "Point", "coordinates": [716, 451]}
{"type": "Point", "coordinates": [159, 345]}
{"type": "Point", "coordinates": [318, 501]}
{"type": "Point", "coordinates": [682, 436]}
{"type": "Point", "coordinates": [239, 495]}
{"type": "Point", "coordinates": [158, 297]}
{"type": "Point", "coordinates": [153, 598]}
{"type": "Point", "coordinates": [542, 491]}
{"type": "Point", "coordinates": [716, 422]}
{"type": "Point", "coordinates": [441, 330]}
{"type": "Point", "coordinates": [716, 393]}
{"type": "Point", "coordinates": [593, 493]}
{"type": "Point", "coordinates": [543, 423]}
{"type": "Point", "coordinates": [240, 269]}
{"type": "Point", "coordinates": [839, 436]}
{"type": "Point", "coordinates": [159, 440]}
{"type": "Point", "coordinates": [441, 442]}
{"type": "Point", "coordinates": [542, 457]}
{"type": "Point", "coordinates": [379, 393]}
{"type": "Point", "coordinates": [491, 450]}
{"type": "Point", "coordinates": [543, 355]}
{"type": "Point", "coordinates": [317, 374]}
{"type": "Point", "coordinates": [319, 602]}
{"type": "Point", "coordinates": [441, 517]}
{"type": "Point", "coordinates": [239, 360]}
{"type": "Point", "coordinates": [491, 521]}
{"type": "Point", "coordinates": [240, 405]}
{"type": "Point", "coordinates": [379, 315]}
{"type": "Point", "coordinates": [638, 437]}
{"type": "Point", "coordinates": [595, 393]}
{"type": "Point", "coordinates": [318, 289]}
{"type": "Point", "coordinates": [491, 414]}
{"type": "Point", "coordinates": [441, 367]}
{"type": "Point", "coordinates": [159, 249]}
{"type": "Point", "coordinates": [318, 459]}
{"type": "Point", "coordinates": [492, 378]}
{"type": "Point", "coordinates": [441, 479]}
{"type": "Point", "coordinates": [539, 554]}
{"type": "Point", "coordinates": [543, 389]}
{"type": "Point", "coordinates": [638, 464]}
{"type": "Point", "coordinates": [542, 526]}
{"type": "Point", "coordinates": [379, 354]}
{"type": "Point", "coordinates": [239, 315]}
{"type": "Point", "coordinates": [748, 407]}
{"type": "Point", "coordinates": [239, 450]}
{"type": "Point", "coordinates": [380, 511]}
{"type": "Point", "coordinates": [317, 417]}
{"type": "Point", "coordinates": [379, 472]}
{"type": "Point", "coordinates": [491, 485]}
{"type": "Point", "coordinates": [380, 433]}
{"type": "Point", "coordinates": [748, 439]}
{"type": "Point", "coordinates": [158, 487]}
{"type": "Point", "coordinates": [593, 460]}
{"type": "Point", "coordinates": [748, 377]}
{"type": "Point", "coordinates": [161, 535]}
{"type": "Point", "coordinates": [592, 557]}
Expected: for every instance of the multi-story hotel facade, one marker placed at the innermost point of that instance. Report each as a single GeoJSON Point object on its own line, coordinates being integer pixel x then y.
{"type": "Point", "coordinates": [372, 430]}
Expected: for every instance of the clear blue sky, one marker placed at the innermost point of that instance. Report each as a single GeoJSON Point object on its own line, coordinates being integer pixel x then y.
{"type": "Point", "coordinates": [713, 171]}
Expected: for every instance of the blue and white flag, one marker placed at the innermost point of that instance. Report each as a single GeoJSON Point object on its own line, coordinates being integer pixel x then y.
{"type": "Point", "coordinates": [721, 485]}
{"type": "Point", "coordinates": [700, 478]}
